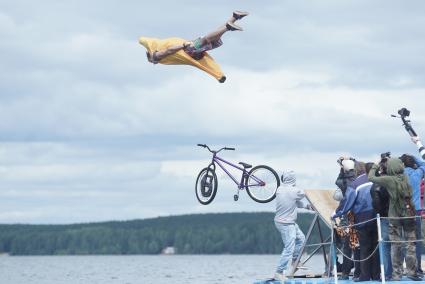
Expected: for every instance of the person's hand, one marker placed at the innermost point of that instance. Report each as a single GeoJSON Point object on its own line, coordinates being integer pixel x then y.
{"type": "Point", "coordinates": [187, 44]}
{"type": "Point", "coordinates": [340, 159]}
{"type": "Point", "coordinates": [308, 207]}
{"type": "Point", "coordinates": [415, 139]}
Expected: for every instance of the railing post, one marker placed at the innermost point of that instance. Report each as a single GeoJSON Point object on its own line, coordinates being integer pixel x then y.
{"type": "Point", "coordinates": [381, 248]}
{"type": "Point", "coordinates": [333, 256]}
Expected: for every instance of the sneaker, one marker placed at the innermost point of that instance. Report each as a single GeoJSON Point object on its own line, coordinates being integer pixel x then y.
{"type": "Point", "coordinates": [414, 277]}
{"type": "Point", "coordinates": [279, 276]}
{"type": "Point", "coordinates": [343, 277]}
{"type": "Point", "coordinates": [233, 27]}
{"type": "Point", "coordinates": [239, 15]}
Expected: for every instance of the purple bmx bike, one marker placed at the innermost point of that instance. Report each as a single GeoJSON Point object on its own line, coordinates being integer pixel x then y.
{"type": "Point", "coordinates": [260, 182]}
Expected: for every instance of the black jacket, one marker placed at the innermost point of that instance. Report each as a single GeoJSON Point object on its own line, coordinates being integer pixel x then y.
{"type": "Point", "coordinates": [380, 200]}
{"type": "Point", "coordinates": [344, 179]}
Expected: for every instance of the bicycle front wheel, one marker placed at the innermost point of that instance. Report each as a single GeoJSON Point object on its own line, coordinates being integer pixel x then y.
{"type": "Point", "coordinates": [206, 186]}
{"type": "Point", "coordinates": [261, 184]}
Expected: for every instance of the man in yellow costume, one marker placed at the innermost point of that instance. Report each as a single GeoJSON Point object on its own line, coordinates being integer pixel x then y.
{"type": "Point", "coordinates": [175, 51]}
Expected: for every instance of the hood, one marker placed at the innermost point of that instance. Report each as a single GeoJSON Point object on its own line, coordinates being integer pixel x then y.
{"type": "Point", "coordinates": [395, 167]}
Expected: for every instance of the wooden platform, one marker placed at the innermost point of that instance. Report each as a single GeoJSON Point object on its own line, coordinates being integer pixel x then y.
{"type": "Point", "coordinates": [331, 281]}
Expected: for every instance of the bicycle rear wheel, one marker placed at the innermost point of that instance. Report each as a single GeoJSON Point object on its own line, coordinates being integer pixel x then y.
{"type": "Point", "coordinates": [261, 184]}
{"type": "Point", "coordinates": [206, 186]}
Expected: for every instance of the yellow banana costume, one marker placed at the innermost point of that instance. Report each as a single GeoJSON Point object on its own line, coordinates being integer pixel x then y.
{"type": "Point", "coordinates": [206, 64]}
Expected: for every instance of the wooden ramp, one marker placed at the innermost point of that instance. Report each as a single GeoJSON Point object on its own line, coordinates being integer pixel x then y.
{"type": "Point", "coordinates": [322, 201]}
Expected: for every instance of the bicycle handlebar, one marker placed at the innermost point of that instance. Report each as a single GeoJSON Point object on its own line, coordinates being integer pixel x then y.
{"type": "Point", "coordinates": [212, 151]}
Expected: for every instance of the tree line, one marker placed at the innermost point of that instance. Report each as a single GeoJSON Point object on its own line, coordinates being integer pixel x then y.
{"type": "Point", "coordinates": [224, 233]}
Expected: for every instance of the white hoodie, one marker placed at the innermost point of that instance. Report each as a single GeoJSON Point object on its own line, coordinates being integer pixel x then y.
{"type": "Point", "coordinates": [288, 199]}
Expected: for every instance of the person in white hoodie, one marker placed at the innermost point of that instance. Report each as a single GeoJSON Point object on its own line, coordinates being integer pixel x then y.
{"type": "Point", "coordinates": [288, 199]}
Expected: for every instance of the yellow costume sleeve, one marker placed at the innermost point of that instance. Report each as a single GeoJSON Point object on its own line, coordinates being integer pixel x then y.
{"type": "Point", "coordinates": [206, 64]}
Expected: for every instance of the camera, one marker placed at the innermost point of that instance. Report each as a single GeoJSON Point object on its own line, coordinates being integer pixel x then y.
{"type": "Point", "coordinates": [385, 155]}
{"type": "Point", "coordinates": [383, 163]}
{"type": "Point", "coordinates": [404, 112]}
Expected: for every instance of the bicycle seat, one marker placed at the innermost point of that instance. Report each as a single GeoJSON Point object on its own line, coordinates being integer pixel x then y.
{"type": "Point", "coordinates": [245, 165]}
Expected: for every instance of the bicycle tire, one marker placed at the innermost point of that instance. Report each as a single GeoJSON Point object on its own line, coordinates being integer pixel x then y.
{"type": "Point", "coordinates": [202, 196]}
{"type": "Point", "coordinates": [260, 193]}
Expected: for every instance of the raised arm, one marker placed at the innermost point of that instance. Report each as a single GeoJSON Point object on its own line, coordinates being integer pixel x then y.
{"type": "Point", "coordinates": [417, 141]}
{"type": "Point", "coordinates": [301, 201]}
{"type": "Point", "coordinates": [381, 180]}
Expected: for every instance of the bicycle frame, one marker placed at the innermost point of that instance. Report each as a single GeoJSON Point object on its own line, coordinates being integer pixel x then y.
{"type": "Point", "coordinates": [217, 160]}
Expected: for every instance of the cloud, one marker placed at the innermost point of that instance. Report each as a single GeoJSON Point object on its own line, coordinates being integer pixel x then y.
{"type": "Point", "coordinates": [88, 126]}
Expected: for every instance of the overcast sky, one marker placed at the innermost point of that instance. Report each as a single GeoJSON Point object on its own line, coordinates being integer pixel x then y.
{"type": "Point", "coordinates": [90, 131]}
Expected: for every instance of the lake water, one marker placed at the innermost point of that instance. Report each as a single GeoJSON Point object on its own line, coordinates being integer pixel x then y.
{"type": "Point", "coordinates": [141, 269]}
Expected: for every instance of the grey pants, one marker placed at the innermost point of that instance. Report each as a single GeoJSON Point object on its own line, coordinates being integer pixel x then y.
{"type": "Point", "coordinates": [403, 230]}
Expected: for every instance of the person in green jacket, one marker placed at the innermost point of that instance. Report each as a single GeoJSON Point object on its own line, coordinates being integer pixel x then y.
{"type": "Point", "coordinates": [401, 205]}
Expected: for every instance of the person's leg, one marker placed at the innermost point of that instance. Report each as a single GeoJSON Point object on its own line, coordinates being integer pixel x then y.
{"type": "Point", "coordinates": [396, 250]}
{"type": "Point", "coordinates": [288, 234]}
{"type": "Point", "coordinates": [375, 270]}
{"type": "Point", "coordinates": [365, 250]}
{"type": "Point", "coordinates": [388, 266]}
{"type": "Point", "coordinates": [357, 269]}
{"type": "Point", "coordinates": [410, 235]}
{"type": "Point", "coordinates": [419, 244]}
{"type": "Point", "coordinates": [299, 241]}
{"type": "Point", "coordinates": [217, 34]}
{"type": "Point", "coordinates": [347, 264]}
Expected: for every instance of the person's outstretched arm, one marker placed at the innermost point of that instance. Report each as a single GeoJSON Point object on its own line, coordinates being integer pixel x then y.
{"type": "Point", "coordinates": [346, 203]}
{"type": "Point", "coordinates": [159, 55]}
{"type": "Point", "coordinates": [420, 146]}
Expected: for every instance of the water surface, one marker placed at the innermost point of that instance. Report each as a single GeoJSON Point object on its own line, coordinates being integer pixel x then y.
{"type": "Point", "coordinates": [146, 269]}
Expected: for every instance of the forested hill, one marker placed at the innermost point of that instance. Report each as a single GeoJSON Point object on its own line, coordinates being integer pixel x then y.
{"type": "Point", "coordinates": [229, 233]}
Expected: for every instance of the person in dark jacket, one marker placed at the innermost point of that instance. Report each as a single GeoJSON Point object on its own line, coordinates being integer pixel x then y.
{"type": "Point", "coordinates": [358, 200]}
{"type": "Point", "coordinates": [346, 176]}
{"type": "Point", "coordinates": [380, 203]}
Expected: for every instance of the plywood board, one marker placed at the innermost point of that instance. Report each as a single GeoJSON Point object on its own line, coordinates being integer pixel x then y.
{"type": "Point", "coordinates": [322, 201]}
